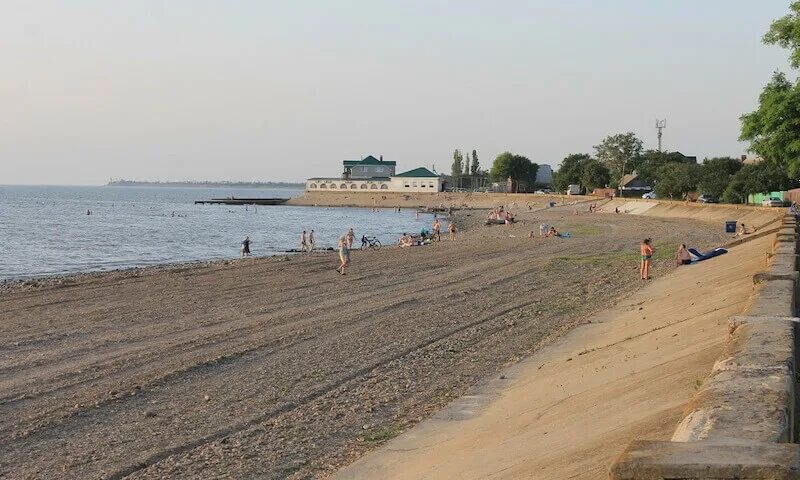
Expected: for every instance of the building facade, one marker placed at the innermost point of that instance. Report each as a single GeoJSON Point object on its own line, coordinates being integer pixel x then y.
{"type": "Point", "coordinates": [373, 174]}
{"type": "Point", "coordinates": [367, 168]}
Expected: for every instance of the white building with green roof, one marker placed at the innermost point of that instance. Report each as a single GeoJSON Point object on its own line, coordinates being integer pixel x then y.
{"type": "Point", "coordinates": [370, 174]}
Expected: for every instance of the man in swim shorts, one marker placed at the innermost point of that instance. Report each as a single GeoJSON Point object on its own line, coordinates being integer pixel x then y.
{"type": "Point", "coordinates": [303, 243]}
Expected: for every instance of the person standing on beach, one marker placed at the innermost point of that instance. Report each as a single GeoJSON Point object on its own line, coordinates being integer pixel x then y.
{"type": "Point", "coordinates": [351, 237]}
{"type": "Point", "coordinates": [452, 229]}
{"type": "Point", "coordinates": [437, 229]}
{"type": "Point", "coordinates": [311, 240]}
{"type": "Point", "coordinates": [246, 247]}
{"type": "Point", "coordinates": [646, 250]}
{"type": "Point", "coordinates": [344, 254]}
{"type": "Point", "coordinates": [303, 243]}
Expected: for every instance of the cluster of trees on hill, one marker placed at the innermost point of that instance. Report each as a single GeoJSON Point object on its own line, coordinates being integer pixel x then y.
{"type": "Point", "coordinates": [465, 170]}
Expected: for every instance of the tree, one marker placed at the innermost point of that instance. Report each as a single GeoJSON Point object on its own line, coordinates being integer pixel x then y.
{"type": "Point", "coordinates": [594, 175]}
{"type": "Point", "coordinates": [760, 178]}
{"type": "Point", "coordinates": [651, 160]}
{"type": "Point", "coordinates": [716, 173]}
{"type": "Point", "coordinates": [676, 179]}
{"type": "Point", "coordinates": [457, 168]}
{"type": "Point", "coordinates": [774, 128]}
{"type": "Point", "coordinates": [519, 168]}
{"type": "Point", "coordinates": [466, 164]}
{"type": "Point", "coordinates": [571, 171]}
{"type": "Point", "coordinates": [620, 154]}
{"type": "Point", "coordinates": [475, 168]}
{"type": "Point", "coordinates": [785, 32]}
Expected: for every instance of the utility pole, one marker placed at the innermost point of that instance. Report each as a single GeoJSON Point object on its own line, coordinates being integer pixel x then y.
{"type": "Point", "coordinates": [660, 126]}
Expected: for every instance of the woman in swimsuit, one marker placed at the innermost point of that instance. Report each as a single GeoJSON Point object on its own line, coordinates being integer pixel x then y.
{"type": "Point", "coordinates": [344, 254]}
{"type": "Point", "coordinates": [646, 250]}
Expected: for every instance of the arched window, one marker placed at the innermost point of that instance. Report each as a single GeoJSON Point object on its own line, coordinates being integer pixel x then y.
{"type": "Point", "coordinates": [364, 186]}
{"type": "Point", "coordinates": [373, 187]}
{"type": "Point", "coordinates": [384, 187]}
{"type": "Point", "coordinates": [343, 186]}
{"type": "Point", "coordinates": [312, 185]}
{"type": "Point", "coordinates": [333, 185]}
{"type": "Point", "coordinates": [353, 186]}
{"type": "Point", "coordinates": [322, 185]}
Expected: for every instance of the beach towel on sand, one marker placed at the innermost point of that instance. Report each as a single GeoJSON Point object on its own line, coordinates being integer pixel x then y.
{"type": "Point", "coordinates": [699, 257]}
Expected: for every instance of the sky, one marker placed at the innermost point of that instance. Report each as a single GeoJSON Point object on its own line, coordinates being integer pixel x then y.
{"type": "Point", "coordinates": [277, 90]}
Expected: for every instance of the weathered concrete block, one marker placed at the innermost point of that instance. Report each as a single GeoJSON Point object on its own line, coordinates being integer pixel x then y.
{"type": "Point", "coordinates": [750, 395]}
{"type": "Point", "coordinates": [784, 260]}
{"type": "Point", "coordinates": [649, 460]}
{"type": "Point", "coordinates": [776, 298]}
{"type": "Point", "coordinates": [784, 248]}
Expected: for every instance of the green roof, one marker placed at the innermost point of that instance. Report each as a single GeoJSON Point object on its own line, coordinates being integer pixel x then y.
{"type": "Point", "coordinates": [370, 160]}
{"type": "Point", "coordinates": [420, 172]}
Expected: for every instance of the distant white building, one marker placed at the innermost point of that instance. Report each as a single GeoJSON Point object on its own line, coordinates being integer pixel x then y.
{"type": "Point", "coordinates": [544, 175]}
{"type": "Point", "coordinates": [374, 174]}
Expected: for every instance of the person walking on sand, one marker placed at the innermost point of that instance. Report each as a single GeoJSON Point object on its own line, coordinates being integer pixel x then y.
{"type": "Point", "coordinates": [437, 229]}
{"type": "Point", "coordinates": [683, 257]}
{"type": "Point", "coordinates": [303, 243]}
{"type": "Point", "coordinates": [646, 250]}
{"type": "Point", "coordinates": [452, 229]}
{"type": "Point", "coordinates": [351, 237]}
{"type": "Point", "coordinates": [344, 254]}
{"type": "Point", "coordinates": [246, 247]}
{"type": "Point", "coordinates": [311, 240]}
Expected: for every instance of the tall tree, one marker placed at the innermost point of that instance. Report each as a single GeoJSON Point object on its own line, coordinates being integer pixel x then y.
{"type": "Point", "coordinates": [760, 178]}
{"type": "Point", "coordinates": [594, 175]}
{"type": "Point", "coordinates": [620, 154]}
{"type": "Point", "coordinates": [676, 179]}
{"type": "Point", "coordinates": [475, 168]}
{"type": "Point", "coordinates": [715, 175]}
{"type": "Point", "coordinates": [466, 162]}
{"type": "Point", "coordinates": [774, 128]}
{"type": "Point", "coordinates": [785, 32]}
{"type": "Point", "coordinates": [457, 168]}
{"type": "Point", "coordinates": [571, 171]}
{"type": "Point", "coordinates": [651, 160]}
{"type": "Point", "coordinates": [517, 167]}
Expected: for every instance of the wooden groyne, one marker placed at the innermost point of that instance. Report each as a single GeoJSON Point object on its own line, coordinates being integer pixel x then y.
{"type": "Point", "coordinates": [243, 201]}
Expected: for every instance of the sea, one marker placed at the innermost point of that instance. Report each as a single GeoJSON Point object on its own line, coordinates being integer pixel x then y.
{"type": "Point", "coordinates": [46, 231]}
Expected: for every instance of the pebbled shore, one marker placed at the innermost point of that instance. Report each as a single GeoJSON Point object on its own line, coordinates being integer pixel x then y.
{"type": "Point", "coordinates": [279, 367]}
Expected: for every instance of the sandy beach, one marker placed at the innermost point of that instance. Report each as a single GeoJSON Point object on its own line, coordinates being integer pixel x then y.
{"type": "Point", "coordinates": [281, 368]}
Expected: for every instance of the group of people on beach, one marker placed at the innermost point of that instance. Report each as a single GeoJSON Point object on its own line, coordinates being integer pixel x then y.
{"type": "Point", "coordinates": [307, 242]}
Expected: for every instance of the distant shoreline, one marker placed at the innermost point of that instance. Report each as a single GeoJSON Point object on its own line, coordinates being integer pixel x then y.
{"type": "Point", "coordinates": [133, 183]}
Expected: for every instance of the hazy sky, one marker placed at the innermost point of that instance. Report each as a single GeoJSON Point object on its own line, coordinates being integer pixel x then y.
{"type": "Point", "coordinates": [283, 90]}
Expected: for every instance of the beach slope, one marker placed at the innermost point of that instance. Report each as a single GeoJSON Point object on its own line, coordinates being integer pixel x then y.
{"type": "Point", "coordinates": [568, 410]}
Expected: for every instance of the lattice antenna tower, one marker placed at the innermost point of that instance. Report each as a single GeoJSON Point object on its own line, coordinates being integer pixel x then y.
{"type": "Point", "coordinates": [660, 126]}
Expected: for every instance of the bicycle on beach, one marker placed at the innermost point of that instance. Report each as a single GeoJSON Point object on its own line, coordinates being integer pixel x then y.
{"type": "Point", "coordinates": [371, 243]}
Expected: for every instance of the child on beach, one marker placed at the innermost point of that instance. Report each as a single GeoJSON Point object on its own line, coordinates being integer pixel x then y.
{"type": "Point", "coordinates": [452, 230]}
{"type": "Point", "coordinates": [437, 227]}
{"type": "Point", "coordinates": [351, 237]}
{"type": "Point", "coordinates": [646, 250]}
{"type": "Point", "coordinates": [246, 247]}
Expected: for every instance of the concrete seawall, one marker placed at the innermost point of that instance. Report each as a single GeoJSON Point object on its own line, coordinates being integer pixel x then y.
{"type": "Point", "coordinates": [741, 423]}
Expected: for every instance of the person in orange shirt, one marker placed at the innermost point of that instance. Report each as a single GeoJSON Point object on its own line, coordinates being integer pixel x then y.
{"type": "Point", "coordinates": [646, 249]}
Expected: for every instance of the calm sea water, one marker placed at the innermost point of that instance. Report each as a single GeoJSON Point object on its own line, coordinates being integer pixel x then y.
{"type": "Point", "coordinates": [46, 231]}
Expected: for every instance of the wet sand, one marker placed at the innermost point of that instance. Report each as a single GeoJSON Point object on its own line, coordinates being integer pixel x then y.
{"type": "Point", "coordinates": [281, 368]}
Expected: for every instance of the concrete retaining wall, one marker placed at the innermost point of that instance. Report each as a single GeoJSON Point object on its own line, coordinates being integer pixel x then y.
{"type": "Point", "coordinates": [741, 423]}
